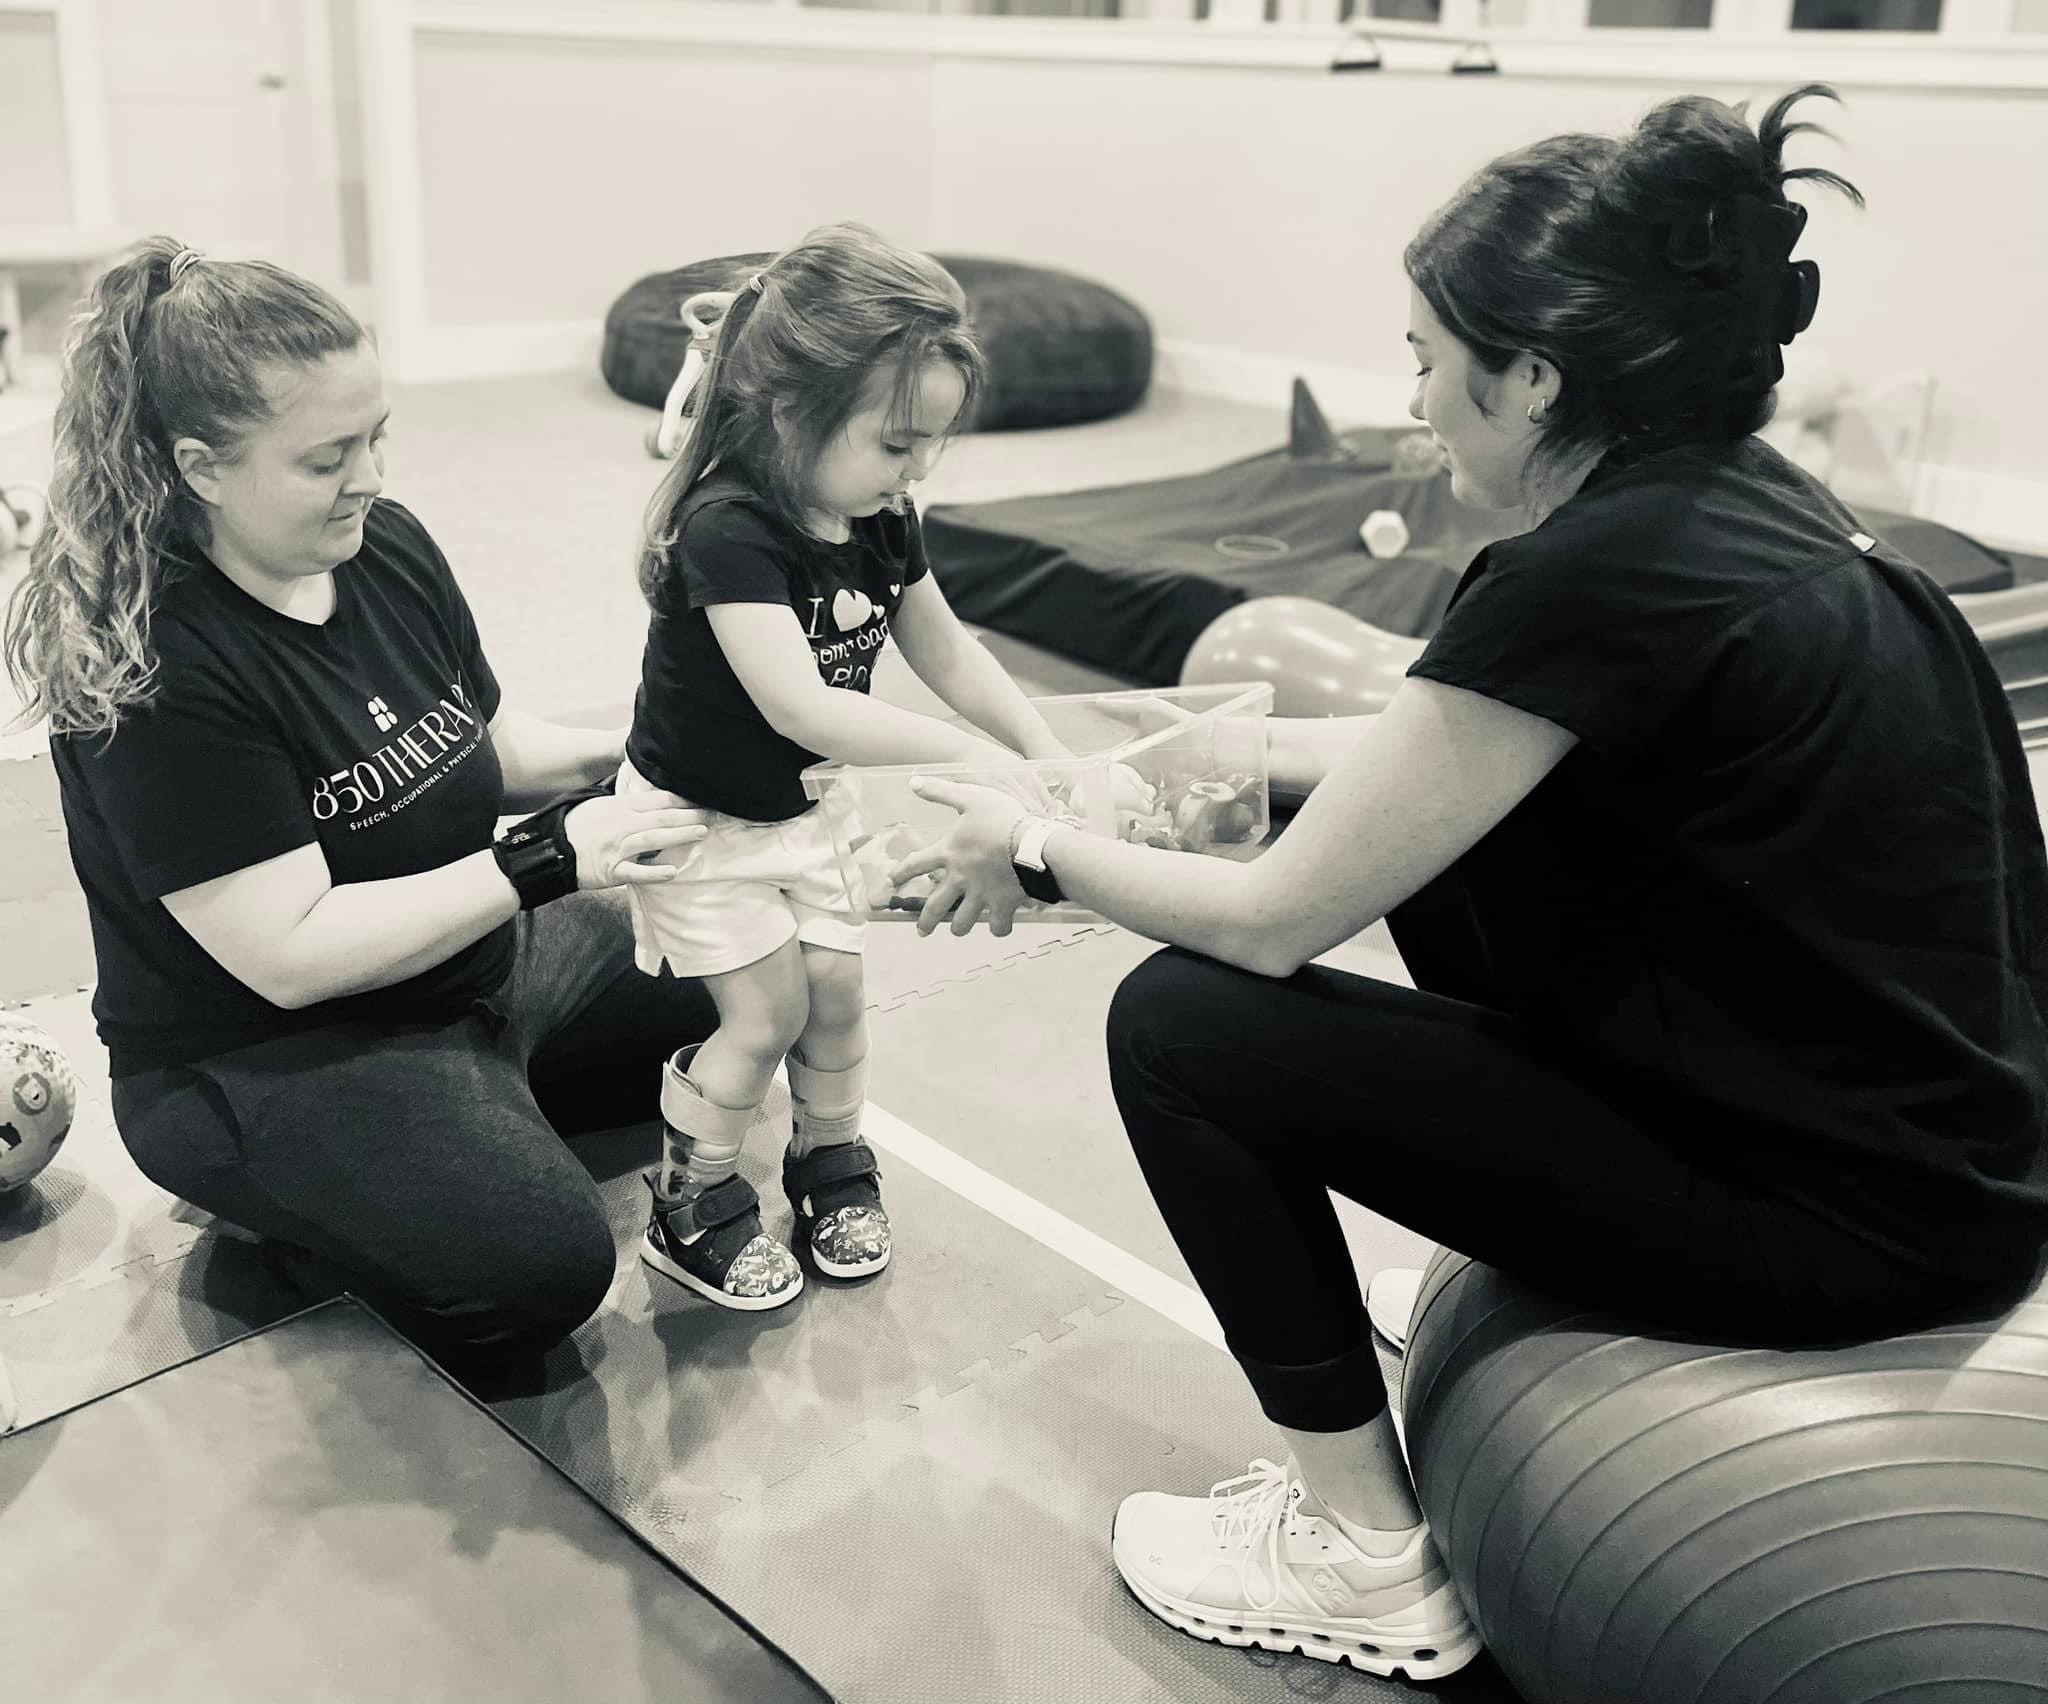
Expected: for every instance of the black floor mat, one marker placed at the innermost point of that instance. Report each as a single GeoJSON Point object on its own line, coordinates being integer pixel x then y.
{"type": "Point", "coordinates": [1125, 578]}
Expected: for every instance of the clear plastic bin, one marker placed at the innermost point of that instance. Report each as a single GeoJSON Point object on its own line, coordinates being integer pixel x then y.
{"type": "Point", "coordinates": [1199, 750]}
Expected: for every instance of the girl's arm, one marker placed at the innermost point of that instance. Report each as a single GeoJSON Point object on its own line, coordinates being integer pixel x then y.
{"type": "Point", "coordinates": [1426, 779]}
{"type": "Point", "coordinates": [543, 760]}
{"type": "Point", "coordinates": [960, 669]}
{"type": "Point", "coordinates": [766, 647]}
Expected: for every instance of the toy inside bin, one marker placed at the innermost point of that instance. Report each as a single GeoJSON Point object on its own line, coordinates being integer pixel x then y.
{"type": "Point", "coordinates": [1183, 769]}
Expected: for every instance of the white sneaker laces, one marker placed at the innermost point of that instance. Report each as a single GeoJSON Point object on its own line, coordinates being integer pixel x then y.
{"type": "Point", "coordinates": [1247, 1513]}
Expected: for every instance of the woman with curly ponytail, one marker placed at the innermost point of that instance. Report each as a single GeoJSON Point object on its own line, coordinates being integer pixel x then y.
{"type": "Point", "coordinates": [1704, 830]}
{"type": "Point", "coordinates": [330, 996]}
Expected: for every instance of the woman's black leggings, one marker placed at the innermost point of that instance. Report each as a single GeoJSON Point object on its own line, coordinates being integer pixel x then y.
{"type": "Point", "coordinates": [1248, 1100]}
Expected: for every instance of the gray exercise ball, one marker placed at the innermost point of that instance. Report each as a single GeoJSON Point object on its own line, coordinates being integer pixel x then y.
{"type": "Point", "coordinates": [1634, 1518]}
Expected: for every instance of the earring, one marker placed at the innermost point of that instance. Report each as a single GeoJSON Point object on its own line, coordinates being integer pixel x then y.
{"type": "Point", "coordinates": [1539, 411]}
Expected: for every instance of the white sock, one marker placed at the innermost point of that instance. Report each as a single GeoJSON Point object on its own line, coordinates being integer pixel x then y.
{"type": "Point", "coordinates": [1381, 1544]}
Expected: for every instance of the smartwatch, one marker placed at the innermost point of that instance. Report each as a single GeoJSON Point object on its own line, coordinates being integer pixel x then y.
{"type": "Point", "coordinates": [1027, 858]}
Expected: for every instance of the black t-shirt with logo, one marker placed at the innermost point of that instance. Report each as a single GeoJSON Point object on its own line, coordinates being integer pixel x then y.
{"type": "Point", "coordinates": [368, 734]}
{"type": "Point", "coordinates": [1788, 894]}
{"type": "Point", "coordinates": [696, 731]}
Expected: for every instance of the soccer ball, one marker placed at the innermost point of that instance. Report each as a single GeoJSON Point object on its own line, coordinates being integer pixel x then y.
{"type": "Point", "coordinates": [38, 1094]}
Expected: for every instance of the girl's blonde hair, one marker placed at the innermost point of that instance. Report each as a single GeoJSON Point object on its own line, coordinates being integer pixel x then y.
{"type": "Point", "coordinates": [804, 346]}
{"type": "Point", "coordinates": [168, 345]}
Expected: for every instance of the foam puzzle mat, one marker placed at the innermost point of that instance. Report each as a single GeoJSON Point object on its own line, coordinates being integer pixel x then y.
{"type": "Point", "coordinates": [314, 1512]}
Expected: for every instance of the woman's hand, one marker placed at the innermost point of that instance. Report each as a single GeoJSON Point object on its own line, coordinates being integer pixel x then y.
{"type": "Point", "coordinates": [972, 862]}
{"type": "Point", "coordinates": [613, 836]}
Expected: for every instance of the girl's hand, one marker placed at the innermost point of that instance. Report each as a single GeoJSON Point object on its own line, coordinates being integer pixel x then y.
{"type": "Point", "coordinates": [1016, 776]}
{"type": "Point", "coordinates": [972, 862]}
{"type": "Point", "coordinates": [611, 837]}
{"type": "Point", "coordinates": [1147, 715]}
{"type": "Point", "coordinates": [1130, 793]}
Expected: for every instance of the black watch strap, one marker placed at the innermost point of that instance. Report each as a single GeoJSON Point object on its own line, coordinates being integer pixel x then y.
{"type": "Point", "coordinates": [1027, 858]}
{"type": "Point", "coordinates": [1041, 885]}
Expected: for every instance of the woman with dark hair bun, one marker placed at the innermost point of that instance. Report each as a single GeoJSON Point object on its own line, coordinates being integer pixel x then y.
{"type": "Point", "coordinates": [1655, 269]}
{"type": "Point", "coordinates": [1705, 832]}
{"type": "Point", "coordinates": [339, 1012]}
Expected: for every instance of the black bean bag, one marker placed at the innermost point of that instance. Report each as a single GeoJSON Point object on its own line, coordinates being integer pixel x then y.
{"type": "Point", "coordinates": [1061, 350]}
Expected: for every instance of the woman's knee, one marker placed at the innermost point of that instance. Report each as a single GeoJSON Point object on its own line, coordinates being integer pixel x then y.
{"type": "Point", "coordinates": [1173, 996]}
{"type": "Point", "coordinates": [536, 1286]}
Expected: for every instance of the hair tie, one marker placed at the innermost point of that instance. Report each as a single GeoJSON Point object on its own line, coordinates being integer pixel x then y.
{"type": "Point", "coordinates": [1782, 292]}
{"type": "Point", "coordinates": [184, 261]}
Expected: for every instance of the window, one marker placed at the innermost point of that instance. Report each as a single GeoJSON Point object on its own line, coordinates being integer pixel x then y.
{"type": "Point", "coordinates": [1408, 11]}
{"type": "Point", "coordinates": [1960, 29]}
{"type": "Point", "coordinates": [1866, 14]}
{"type": "Point", "coordinates": [1650, 14]}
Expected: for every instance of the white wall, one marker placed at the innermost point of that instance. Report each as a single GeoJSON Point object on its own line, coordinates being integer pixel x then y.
{"type": "Point", "coordinates": [35, 177]}
{"type": "Point", "coordinates": [1257, 213]}
{"type": "Point", "coordinates": [553, 173]}
{"type": "Point", "coordinates": [1264, 212]}
{"type": "Point", "coordinates": [351, 181]}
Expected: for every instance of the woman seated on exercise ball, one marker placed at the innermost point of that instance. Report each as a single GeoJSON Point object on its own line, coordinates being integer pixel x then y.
{"type": "Point", "coordinates": [330, 998]}
{"type": "Point", "coordinates": [1706, 834]}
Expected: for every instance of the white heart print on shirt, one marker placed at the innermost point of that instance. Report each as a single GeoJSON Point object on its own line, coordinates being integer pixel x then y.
{"type": "Point", "coordinates": [850, 609]}
{"type": "Point", "coordinates": [895, 591]}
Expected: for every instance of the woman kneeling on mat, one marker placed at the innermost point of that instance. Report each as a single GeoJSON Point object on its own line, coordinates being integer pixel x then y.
{"type": "Point", "coordinates": [1706, 834]}
{"type": "Point", "coordinates": [339, 1014]}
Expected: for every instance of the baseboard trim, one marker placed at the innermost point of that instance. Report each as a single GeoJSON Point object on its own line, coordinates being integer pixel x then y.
{"type": "Point", "coordinates": [438, 354]}
{"type": "Point", "coordinates": [1240, 375]}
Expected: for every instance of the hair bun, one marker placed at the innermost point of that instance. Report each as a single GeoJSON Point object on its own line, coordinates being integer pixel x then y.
{"type": "Point", "coordinates": [1654, 270]}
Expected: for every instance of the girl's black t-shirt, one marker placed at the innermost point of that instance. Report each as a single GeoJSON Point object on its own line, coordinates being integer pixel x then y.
{"type": "Point", "coordinates": [696, 729]}
{"type": "Point", "coordinates": [368, 734]}
{"type": "Point", "coordinates": [1788, 892]}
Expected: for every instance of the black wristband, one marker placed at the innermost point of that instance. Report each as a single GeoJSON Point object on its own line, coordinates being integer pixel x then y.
{"type": "Point", "coordinates": [535, 853]}
{"type": "Point", "coordinates": [1040, 885]}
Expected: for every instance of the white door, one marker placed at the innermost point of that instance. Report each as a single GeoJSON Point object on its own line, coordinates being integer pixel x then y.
{"type": "Point", "coordinates": [220, 126]}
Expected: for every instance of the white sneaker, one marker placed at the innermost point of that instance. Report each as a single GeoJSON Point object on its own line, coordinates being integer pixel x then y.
{"type": "Point", "coordinates": [1390, 1302]}
{"type": "Point", "coordinates": [1260, 1562]}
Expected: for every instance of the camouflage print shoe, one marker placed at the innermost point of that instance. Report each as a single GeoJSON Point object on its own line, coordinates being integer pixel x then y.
{"type": "Point", "coordinates": [836, 1192]}
{"type": "Point", "coordinates": [733, 1262]}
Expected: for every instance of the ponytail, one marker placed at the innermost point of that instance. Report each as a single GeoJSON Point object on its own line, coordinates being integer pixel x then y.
{"type": "Point", "coordinates": [791, 358]}
{"type": "Point", "coordinates": [701, 404]}
{"type": "Point", "coordinates": [167, 345]}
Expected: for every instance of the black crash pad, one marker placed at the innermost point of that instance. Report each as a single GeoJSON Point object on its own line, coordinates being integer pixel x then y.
{"type": "Point", "coordinates": [314, 1512]}
{"type": "Point", "coordinates": [1126, 577]}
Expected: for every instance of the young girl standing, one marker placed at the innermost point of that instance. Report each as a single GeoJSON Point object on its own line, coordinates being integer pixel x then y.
{"type": "Point", "coordinates": [782, 552]}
